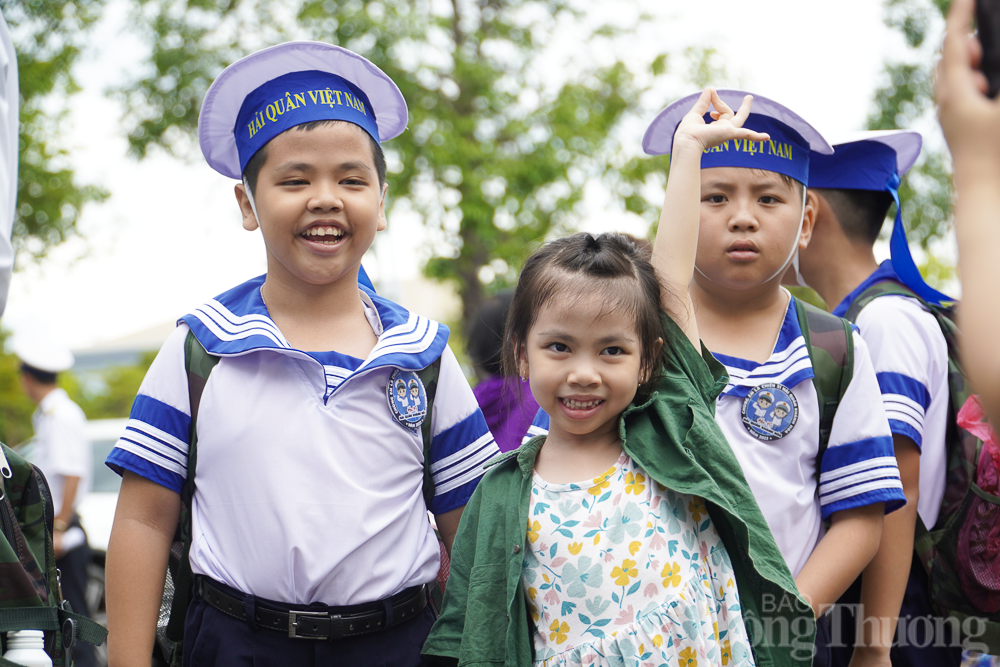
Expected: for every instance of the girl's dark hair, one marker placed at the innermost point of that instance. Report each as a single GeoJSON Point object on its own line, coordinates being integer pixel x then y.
{"type": "Point", "coordinates": [612, 269]}
{"type": "Point", "coordinates": [486, 333]}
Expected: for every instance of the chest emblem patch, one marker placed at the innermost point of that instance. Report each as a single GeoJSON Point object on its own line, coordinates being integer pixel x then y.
{"type": "Point", "coordinates": [407, 399]}
{"type": "Point", "coordinates": [770, 411]}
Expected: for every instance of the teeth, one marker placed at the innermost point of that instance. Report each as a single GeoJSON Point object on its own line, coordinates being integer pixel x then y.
{"type": "Point", "coordinates": [580, 405]}
{"type": "Point", "coordinates": [324, 231]}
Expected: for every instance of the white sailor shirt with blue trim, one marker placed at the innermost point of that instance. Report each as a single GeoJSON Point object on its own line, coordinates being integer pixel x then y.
{"type": "Point", "coordinates": [910, 356]}
{"type": "Point", "coordinates": [778, 455]}
{"type": "Point", "coordinates": [309, 485]}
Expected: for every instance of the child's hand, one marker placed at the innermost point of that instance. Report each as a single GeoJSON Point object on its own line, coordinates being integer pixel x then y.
{"type": "Point", "coordinates": [694, 134]}
{"type": "Point", "coordinates": [969, 119]}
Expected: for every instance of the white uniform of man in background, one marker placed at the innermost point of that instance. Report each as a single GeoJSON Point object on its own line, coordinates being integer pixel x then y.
{"type": "Point", "coordinates": [65, 456]}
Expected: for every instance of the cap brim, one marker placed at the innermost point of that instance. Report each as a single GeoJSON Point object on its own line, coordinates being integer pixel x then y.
{"type": "Point", "coordinates": [225, 97]}
{"type": "Point", "coordinates": [659, 137]}
{"type": "Point", "coordinates": [905, 143]}
{"type": "Point", "coordinates": [43, 355]}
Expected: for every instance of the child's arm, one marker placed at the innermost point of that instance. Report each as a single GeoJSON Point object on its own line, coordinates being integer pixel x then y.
{"type": "Point", "coordinates": [447, 525]}
{"type": "Point", "coordinates": [677, 236]}
{"type": "Point", "coordinates": [971, 124]}
{"type": "Point", "coordinates": [841, 555]}
{"type": "Point", "coordinates": [884, 583]}
{"type": "Point", "coordinates": [145, 522]}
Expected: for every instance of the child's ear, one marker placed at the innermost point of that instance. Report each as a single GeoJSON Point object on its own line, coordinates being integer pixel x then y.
{"type": "Point", "coordinates": [809, 218]}
{"type": "Point", "coordinates": [246, 210]}
{"type": "Point", "coordinates": [522, 361]}
{"type": "Point", "coordinates": [381, 209]}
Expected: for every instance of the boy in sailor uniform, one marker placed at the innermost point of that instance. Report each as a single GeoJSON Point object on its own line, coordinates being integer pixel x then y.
{"type": "Point", "coordinates": [754, 214]}
{"type": "Point", "coordinates": [310, 538]}
{"type": "Point", "coordinates": [854, 188]}
{"type": "Point", "coordinates": [761, 405]}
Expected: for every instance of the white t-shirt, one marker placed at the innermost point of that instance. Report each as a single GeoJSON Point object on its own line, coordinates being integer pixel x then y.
{"type": "Point", "coordinates": [61, 446]}
{"type": "Point", "coordinates": [910, 357]}
{"type": "Point", "coordinates": [778, 453]}
{"type": "Point", "coordinates": [309, 466]}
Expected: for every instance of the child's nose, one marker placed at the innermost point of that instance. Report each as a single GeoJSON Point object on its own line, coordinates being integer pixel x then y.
{"type": "Point", "coordinates": [743, 219]}
{"type": "Point", "coordinates": [584, 374]}
{"type": "Point", "coordinates": [325, 197]}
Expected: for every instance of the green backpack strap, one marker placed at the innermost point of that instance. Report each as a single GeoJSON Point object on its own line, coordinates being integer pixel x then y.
{"type": "Point", "coordinates": [429, 376]}
{"type": "Point", "coordinates": [198, 364]}
{"type": "Point", "coordinates": [830, 343]}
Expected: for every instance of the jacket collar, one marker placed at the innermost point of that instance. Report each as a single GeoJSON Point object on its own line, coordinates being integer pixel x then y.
{"type": "Point", "coordinates": [884, 272]}
{"type": "Point", "coordinates": [237, 322]}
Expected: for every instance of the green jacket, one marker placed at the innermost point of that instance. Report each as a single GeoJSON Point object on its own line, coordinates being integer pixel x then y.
{"type": "Point", "coordinates": [674, 437]}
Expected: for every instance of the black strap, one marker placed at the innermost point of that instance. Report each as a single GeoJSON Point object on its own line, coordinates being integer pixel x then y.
{"type": "Point", "coordinates": [332, 624]}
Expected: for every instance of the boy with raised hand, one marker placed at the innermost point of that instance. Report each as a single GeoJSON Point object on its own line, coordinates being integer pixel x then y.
{"type": "Point", "coordinates": [854, 189]}
{"type": "Point", "coordinates": [754, 214]}
{"type": "Point", "coordinates": [310, 538]}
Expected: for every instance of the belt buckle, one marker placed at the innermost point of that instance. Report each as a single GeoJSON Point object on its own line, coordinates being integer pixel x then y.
{"type": "Point", "coordinates": [293, 622]}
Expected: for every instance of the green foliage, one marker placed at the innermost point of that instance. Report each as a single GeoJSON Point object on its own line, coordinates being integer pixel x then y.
{"type": "Point", "coordinates": [48, 38]}
{"type": "Point", "coordinates": [906, 98]}
{"type": "Point", "coordinates": [494, 160]}
{"type": "Point", "coordinates": [15, 406]}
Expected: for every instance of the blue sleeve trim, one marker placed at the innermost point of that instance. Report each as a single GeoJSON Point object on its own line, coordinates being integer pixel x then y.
{"type": "Point", "coordinates": [452, 500]}
{"type": "Point", "coordinates": [902, 428]}
{"type": "Point", "coordinates": [454, 439]}
{"type": "Point", "coordinates": [893, 499]}
{"type": "Point", "coordinates": [904, 385]}
{"type": "Point", "coordinates": [839, 456]}
{"type": "Point", "coordinates": [119, 460]}
{"type": "Point", "coordinates": [164, 417]}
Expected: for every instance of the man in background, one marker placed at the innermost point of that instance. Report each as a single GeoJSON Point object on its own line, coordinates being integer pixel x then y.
{"type": "Point", "coordinates": [64, 454]}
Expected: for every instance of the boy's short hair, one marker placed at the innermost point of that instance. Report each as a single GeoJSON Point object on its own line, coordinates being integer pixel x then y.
{"type": "Point", "coordinates": [860, 213]}
{"type": "Point", "coordinates": [252, 171]}
{"type": "Point", "coordinates": [38, 375]}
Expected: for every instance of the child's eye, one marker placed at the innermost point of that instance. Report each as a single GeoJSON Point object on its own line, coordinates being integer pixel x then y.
{"type": "Point", "coordinates": [769, 199]}
{"type": "Point", "coordinates": [293, 181]}
{"type": "Point", "coordinates": [354, 181]}
{"type": "Point", "coordinates": [613, 351]}
{"type": "Point", "coordinates": [558, 347]}
{"type": "Point", "coordinates": [715, 199]}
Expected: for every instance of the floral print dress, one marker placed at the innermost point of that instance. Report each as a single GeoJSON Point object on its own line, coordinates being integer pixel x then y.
{"type": "Point", "coordinates": [622, 571]}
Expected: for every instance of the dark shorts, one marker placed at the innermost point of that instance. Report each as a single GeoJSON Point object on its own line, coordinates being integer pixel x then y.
{"type": "Point", "coordinates": [212, 638]}
{"type": "Point", "coordinates": [922, 638]}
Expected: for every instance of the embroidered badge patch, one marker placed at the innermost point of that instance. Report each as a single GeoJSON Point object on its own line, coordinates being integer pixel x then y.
{"type": "Point", "coordinates": [770, 411]}
{"type": "Point", "coordinates": [407, 398]}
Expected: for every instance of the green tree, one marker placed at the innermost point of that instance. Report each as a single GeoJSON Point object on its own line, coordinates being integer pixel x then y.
{"type": "Point", "coordinates": [904, 100]}
{"type": "Point", "coordinates": [49, 36]}
{"type": "Point", "coordinates": [496, 156]}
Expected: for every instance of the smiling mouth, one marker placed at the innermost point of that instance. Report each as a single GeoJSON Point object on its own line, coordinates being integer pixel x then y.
{"type": "Point", "coordinates": [327, 235]}
{"type": "Point", "coordinates": [581, 405]}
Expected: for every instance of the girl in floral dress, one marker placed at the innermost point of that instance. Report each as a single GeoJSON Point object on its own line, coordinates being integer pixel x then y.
{"type": "Point", "coordinates": [594, 545]}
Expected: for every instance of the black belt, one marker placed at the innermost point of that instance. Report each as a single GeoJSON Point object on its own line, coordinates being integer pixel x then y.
{"type": "Point", "coordinates": [333, 623]}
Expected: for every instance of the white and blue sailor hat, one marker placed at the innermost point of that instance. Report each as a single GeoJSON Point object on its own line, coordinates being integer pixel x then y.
{"type": "Point", "coordinates": [788, 152]}
{"type": "Point", "coordinates": [877, 160]}
{"type": "Point", "coordinates": [265, 93]}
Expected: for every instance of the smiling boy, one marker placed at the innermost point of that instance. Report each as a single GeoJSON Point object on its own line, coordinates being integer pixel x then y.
{"type": "Point", "coordinates": [754, 214]}
{"type": "Point", "coordinates": [310, 540]}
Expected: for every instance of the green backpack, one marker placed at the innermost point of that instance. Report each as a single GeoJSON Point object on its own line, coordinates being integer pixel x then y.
{"type": "Point", "coordinates": [967, 512]}
{"type": "Point", "coordinates": [180, 582]}
{"type": "Point", "coordinates": [30, 598]}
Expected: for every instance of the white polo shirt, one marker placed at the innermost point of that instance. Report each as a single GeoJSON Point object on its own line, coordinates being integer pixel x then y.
{"type": "Point", "coordinates": [778, 454]}
{"type": "Point", "coordinates": [310, 466]}
{"type": "Point", "coordinates": [61, 446]}
{"type": "Point", "coordinates": [910, 356]}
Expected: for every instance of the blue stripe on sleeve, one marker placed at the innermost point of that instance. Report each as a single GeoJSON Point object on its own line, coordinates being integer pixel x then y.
{"type": "Point", "coordinates": [893, 499]}
{"type": "Point", "coordinates": [902, 428]}
{"type": "Point", "coordinates": [119, 460]}
{"type": "Point", "coordinates": [164, 417]}
{"type": "Point", "coordinates": [849, 453]}
{"type": "Point", "coordinates": [452, 500]}
{"type": "Point", "coordinates": [904, 385]}
{"type": "Point", "coordinates": [456, 438]}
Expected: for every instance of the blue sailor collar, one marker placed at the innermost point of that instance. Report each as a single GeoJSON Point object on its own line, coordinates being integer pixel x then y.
{"type": "Point", "coordinates": [783, 365]}
{"type": "Point", "coordinates": [237, 322]}
{"type": "Point", "coordinates": [885, 271]}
